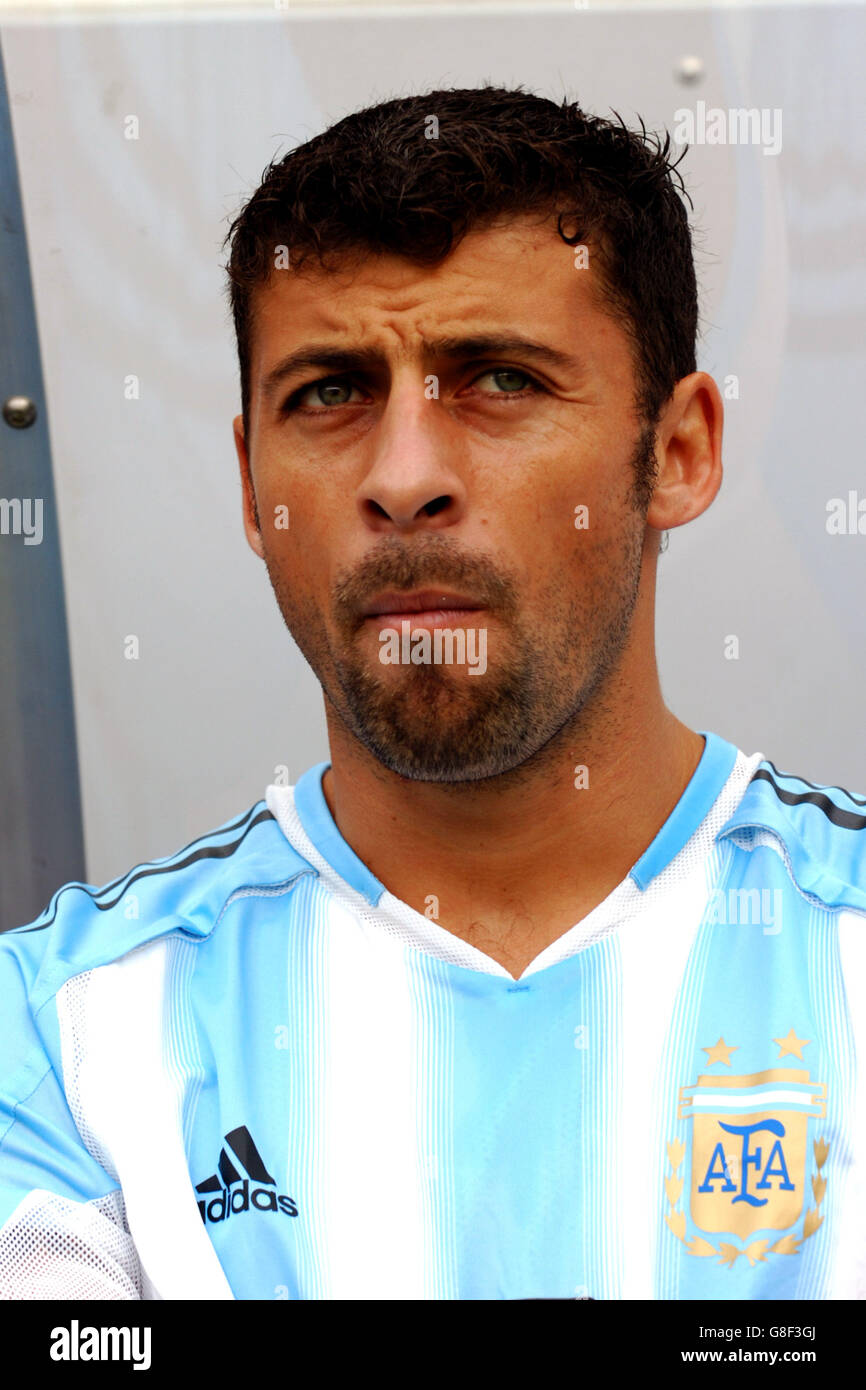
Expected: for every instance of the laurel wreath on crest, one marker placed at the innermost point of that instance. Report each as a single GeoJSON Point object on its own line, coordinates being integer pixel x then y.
{"type": "Point", "coordinates": [757, 1250]}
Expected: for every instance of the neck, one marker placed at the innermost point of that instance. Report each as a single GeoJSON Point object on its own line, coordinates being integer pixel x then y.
{"type": "Point", "coordinates": [484, 850]}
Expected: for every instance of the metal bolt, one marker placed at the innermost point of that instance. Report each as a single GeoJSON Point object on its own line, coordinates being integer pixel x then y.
{"type": "Point", "coordinates": [690, 69]}
{"type": "Point", "coordinates": [19, 412]}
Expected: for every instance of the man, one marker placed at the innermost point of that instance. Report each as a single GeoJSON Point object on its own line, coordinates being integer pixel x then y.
{"type": "Point", "coordinates": [531, 991]}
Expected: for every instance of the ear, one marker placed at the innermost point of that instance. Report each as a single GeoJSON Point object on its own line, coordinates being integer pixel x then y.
{"type": "Point", "coordinates": [688, 453]}
{"type": "Point", "coordinates": [252, 528]}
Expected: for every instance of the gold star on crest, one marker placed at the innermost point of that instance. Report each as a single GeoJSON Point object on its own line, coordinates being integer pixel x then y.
{"type": "Point", "coordinates": [792, 1044]}
{"type": "Point", "coordinates": [719, 1052]}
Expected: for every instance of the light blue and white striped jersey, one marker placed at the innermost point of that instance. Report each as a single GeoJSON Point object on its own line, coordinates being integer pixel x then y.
{"type": "Point", "coordinates": [248, 1071]}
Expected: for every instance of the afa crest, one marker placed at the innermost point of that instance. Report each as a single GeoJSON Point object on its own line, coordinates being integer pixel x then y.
{"type": "Point", "coordinates": [749, 1176]}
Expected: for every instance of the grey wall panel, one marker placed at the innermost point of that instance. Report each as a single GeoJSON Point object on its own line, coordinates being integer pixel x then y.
{"type": "Point", "coordinates": [125, 238]}
{"type": "Point", "coordinates": [41, 842]}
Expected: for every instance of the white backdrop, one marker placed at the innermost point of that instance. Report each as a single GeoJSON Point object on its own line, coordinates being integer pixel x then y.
{"type": "Point", "coordinates": [125, 240]}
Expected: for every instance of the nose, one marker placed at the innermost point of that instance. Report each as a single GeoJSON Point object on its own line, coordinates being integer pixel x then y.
{"type": "Point", "coordinates": [413, 482]}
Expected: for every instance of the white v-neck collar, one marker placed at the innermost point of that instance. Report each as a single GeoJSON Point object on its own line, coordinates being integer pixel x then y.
{"type": "Point", "coordinates": [709, 799]}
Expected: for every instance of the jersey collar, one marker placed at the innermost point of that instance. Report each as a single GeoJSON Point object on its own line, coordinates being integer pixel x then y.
{"type": "Point", "coordinates": [708, 779]}
{"type": "Point", "coordinates": [315, 816]}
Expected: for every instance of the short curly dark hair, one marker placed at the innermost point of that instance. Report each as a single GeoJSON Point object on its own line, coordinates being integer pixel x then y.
{"type": "Point", "coordinates": [376, 182]}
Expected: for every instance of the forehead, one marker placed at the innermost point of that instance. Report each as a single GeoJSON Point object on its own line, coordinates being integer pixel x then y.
{"type": "Point", "coordinates": [519, 277]}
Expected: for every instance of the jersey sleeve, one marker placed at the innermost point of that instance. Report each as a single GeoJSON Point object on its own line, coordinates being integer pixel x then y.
{"type": "Point", "coordinates": [63, 1230]}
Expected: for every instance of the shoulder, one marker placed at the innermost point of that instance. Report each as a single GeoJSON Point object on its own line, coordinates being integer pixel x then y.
{"type": "Point", "coordinates": [84, 926]}
{"type": "Point", "coordinates": [820, 827]}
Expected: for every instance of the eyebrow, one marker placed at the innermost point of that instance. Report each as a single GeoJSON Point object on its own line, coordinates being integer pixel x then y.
{"type": "Point", "coordinates": [333, 357]}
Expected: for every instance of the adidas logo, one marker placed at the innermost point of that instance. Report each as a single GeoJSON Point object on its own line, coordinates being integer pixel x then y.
{"type": "Point", "coordinates": [233, 1200]}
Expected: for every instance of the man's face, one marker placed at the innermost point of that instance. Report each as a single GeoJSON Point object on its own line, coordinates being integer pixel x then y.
{"type": "Point", "coordinates": [439, 463]}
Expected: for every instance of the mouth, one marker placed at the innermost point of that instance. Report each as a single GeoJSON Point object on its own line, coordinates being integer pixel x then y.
{"type": "Point", "coordinates": [423, 608]}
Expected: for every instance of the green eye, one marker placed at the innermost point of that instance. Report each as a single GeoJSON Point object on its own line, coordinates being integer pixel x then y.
{"type": "Point", "coordinates": [333, 392]}
{"type": "Point", "coordinates": [509, 380]}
